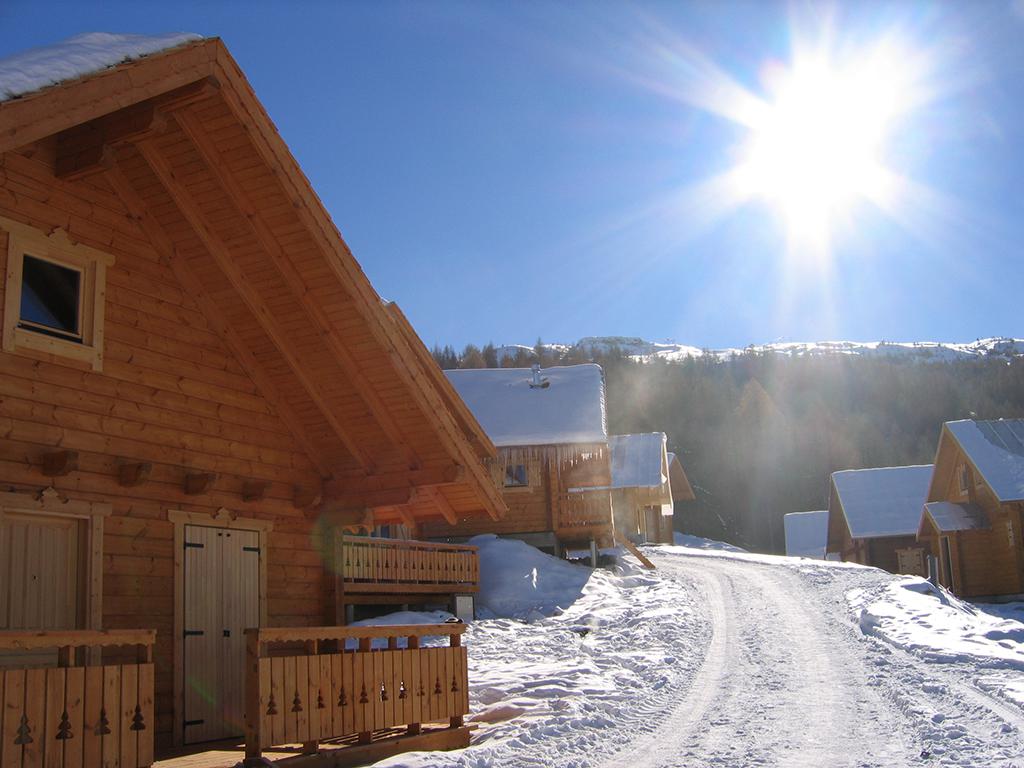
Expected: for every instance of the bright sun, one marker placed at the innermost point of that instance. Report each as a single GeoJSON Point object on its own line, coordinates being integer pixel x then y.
{"type": "Point", "coordinates": [816, 146]}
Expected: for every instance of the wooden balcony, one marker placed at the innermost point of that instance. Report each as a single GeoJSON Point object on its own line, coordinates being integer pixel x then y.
{"type": "Point", "coordinates": [64, 709]}
{"type": "Point", "coordinates": [405, 571]}
{"type": "Point", "coordinates": [584, 514]}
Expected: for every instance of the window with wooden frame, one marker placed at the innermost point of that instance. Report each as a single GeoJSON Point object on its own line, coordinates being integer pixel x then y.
{"type": "Point", "coordinates": [516, 476]}
{"type": "Point", "coordinates": [963, 478]}
{"type": "Point", "coordinates": [54, 297]}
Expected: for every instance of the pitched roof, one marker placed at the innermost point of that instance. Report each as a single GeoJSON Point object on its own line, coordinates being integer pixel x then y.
{"type": "Point", "coordinates": [996, 449]}
{"type": "Point", "coordinates": [885, 501]}
{"type": "Point", "coordinates": [176, 136]}
{"type": "Point", "coordinates": [806, 533]}
{"type": "Point", "coordinates": [637, 460]}
{"type": "Point", "coordinates": [948, 516]}
{"type": "Point", "coordinates": [567, 408]}
{"type": "Point", "coordinates": [681, 488]}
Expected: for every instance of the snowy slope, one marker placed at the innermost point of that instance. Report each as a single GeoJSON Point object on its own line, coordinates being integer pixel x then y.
{"type": "Point", "coordinates": [923, 351]}
{"type": "Point", "coordinates": [723, 658]}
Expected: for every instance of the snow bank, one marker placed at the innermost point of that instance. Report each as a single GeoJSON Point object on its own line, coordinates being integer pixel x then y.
{"type": "Point", "coordinates": [520, 581]}
{"type": "Point", "coordinates": [568, 408]}
{"type": "Point", "coordinates": [929, 622]}
{"type": "Point", "coordinates": [77, 56]}
{"type": "Point", "coordinates": [696, 542]}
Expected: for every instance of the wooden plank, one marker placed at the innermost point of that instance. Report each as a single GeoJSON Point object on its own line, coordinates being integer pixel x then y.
{"type": "Point", "coordinates": [378, 687]}
{"type": "Point", "coordinates": [129, 694]}
{"type": "Point", "coordinates": [112, 716]}
{"type": "Point", "coordinates": [55, 708]}
{"type": "Point", "coordinates": [352, 695]}
{"type": "Point", "coordinates": [301, 699]}
{"type": "Point", "coordinates": [290, 721]}
{"type": "Point", "coordinates": [277, 686]}
{"type": "Point", "coordinates": [92, 728]}
{"type": "Point", "coordinates": [260, 709]}
{"type": "Point", "coordinates": [74, 699]}
{"type": "Point", "coordinates": [35, 711]}
{"type": "Point", "coordinates": [146, 698]}
{"type": "Point", "coordinates": [14, 708]}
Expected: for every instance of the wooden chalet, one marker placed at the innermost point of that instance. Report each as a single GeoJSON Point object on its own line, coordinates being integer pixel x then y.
{"type": "Point", "coordinates": [641, 489]}
{"type": "Point", "coordinates": [553, 463]}
{"type": "Point", "coordinates": [873, 516]}
{"type": "Point", "coordinates": [200, 395]}
{"type": "Point", "coordinates": [682, 491]}
{"type": "Point", "coordinates": [972, 521]}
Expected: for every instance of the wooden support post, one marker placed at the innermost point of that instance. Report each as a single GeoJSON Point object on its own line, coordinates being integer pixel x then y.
{"type": "Point", "coordinates": [252, 698]}
{"type": "Point", "coordinates": [455, 641]}
{"type": "Point", "coordinates": [593, 553]}
{"type": "Point", "coordinates": [131, 475]}
{"type": "Point", "coordinates": [197, 483]}
{"type": "Point", "coordinates": [60, 463]}
{"type": "Point", "coordinates": [254, 490]}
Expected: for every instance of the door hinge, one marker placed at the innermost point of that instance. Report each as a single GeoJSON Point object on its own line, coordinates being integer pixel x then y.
{"type": "Point", "coordinates": [194, 632]}
{"type": "Point", "coordinates": [195, 544]}
{"type": "Point", "coordinates": [251, 549]}
{"type": "Point", "coordinates": [187, 723]}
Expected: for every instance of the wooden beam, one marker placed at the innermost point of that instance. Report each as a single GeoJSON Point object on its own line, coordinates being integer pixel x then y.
{"type": "Point", "coordinates": [221, 256]}
{"type": "Point", "coordinates": [386, 497]}
{"type": "Point", "coordinates": [349, 483]}
{"type": "Point", "coordinates": [164, 247]}
{"type": "Point", "coordinates": [239, 97]}
{"type": "Point", "coordinates": [192, 127]}
{"type": "Point", "coordinates": [441, 502]}
{"type": "Point", "coordinates": [131, 475]}
{"type": "Point", "coordinates": [347, 517]}
{"type": "Point", "coordinates": [254, 490]}
{"type": "Point", "coordinates": [60, 463]}
{"type": "Point", "coordinates": [197, 483]}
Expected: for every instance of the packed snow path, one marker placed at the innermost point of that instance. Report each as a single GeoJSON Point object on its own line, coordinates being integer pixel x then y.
{"type": "Point", "coordinates": [788, 680]}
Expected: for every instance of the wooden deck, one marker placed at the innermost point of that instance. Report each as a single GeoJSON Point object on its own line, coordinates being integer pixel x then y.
{"type": "Point", "coordinates": [343, 752]}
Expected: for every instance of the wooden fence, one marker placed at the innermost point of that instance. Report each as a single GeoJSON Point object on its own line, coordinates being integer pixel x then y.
{"type": "Point", "coordinates": [76, 714]}
{"type": "Point", "coordinates": [330, 692]}
{"type": "Point", "coordinates": [586, 513]}
{"type": "Point", "coordinates": [392, 565]}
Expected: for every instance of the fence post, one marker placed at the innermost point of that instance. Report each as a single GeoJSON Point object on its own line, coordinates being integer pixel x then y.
{"type": "Point", "coordinates": [455, 641]}
{"type": "Point", "coordinates": [253, 717]}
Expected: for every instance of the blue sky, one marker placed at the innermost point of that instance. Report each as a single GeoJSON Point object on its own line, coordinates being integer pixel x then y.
{"type": "Point", "coordinates": [508, 171]}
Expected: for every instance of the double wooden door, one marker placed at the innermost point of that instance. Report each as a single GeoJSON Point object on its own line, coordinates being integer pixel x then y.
{"type": "Point", "coordinates": [221, 579]}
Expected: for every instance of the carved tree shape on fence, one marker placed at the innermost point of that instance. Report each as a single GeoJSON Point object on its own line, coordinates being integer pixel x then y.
{"type": "Point", "coordinates": [320, 700]}
{"type": "Point", "coordinates": [437, 687]}
{"type": "Point", "coordinates": [455, 685]}
{"type": "Point", "coordinates": [401, 690]}
{"type": "Point", "coordinates": [138, 721]}
{"type": "Point", "coordinates": [103, 729]}
{"type": "Point", "coordinates": [342, 699]}
{"type": "Point", "coordinates": [24, 732]}
{"type": "Point", "coordinates": [363, 698]}
{"type": "Point", "coordinates": [271, 706]}
{"type": "Point", "coordinates": [383, 692]}
{"type": "Point", "coordinates": [296, 703]}
{"type": "Point", "coordinates": [64, 729]}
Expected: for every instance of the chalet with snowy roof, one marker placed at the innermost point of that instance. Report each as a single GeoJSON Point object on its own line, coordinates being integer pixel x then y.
{"type": "Point", "coordinates": [201, 395]}
{"type": "Point", "coordinates": [973, 518]}
{"type": "Point", "coordinates": [641, 487]}
{"type": "Point", "coordinates": [873, 517]}
{"type": "Point", "coordinates": [553, 462]}
{"type": "Point", "coordinates": [806, 534]}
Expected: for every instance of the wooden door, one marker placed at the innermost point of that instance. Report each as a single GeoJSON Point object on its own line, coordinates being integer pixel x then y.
{"type": "Point", "coordinates": [41, 582]}
{"type": "Point", "coordinates": [221, 579]}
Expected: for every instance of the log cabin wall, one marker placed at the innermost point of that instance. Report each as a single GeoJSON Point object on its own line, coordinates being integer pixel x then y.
{"type": "Point", "coordinates": [169, 395]}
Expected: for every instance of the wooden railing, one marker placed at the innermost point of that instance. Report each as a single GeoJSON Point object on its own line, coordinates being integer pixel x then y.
{"type": "Point", "coordinates": [330, 691]}
{"type": "Point", "coordinates": [584, 510]}
{"type": "Point", "coordinates": [76, 715]}
{"type": "Point", "coordinates": [392, 565]}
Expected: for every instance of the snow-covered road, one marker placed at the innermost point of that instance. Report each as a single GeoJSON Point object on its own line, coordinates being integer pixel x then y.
{"type": "Point", "coordinates": [788, 680]}
{"type": "Point", "coordinates": [732, 659]}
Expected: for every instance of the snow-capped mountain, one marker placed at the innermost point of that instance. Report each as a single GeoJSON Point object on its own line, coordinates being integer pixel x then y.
{"type": "Point", "coordinates": [929, 351]}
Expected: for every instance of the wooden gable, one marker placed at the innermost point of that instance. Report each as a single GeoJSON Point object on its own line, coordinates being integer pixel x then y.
{"type": "Point", "coordinates": [171, 164]}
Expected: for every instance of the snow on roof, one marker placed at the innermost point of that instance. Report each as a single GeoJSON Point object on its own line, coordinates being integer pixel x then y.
{"type": "Point", "coordinates": [636, 460]}
{"type": "Point", "coordinates": [883, 502]}
{"type": "Point", "coordinates": [568, 408]}
{"type": "Point", "coordinates": [996, 448]}
{"type": "Point", "coordinates": [806, 533]}
{"type": "Point", "coordinates": [949, 516]}
{"type": "Point", "coordinates": [80, 55]}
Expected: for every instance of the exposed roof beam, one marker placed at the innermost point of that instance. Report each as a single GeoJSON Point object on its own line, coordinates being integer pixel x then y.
{"type": "Point", "coordinates": [192, 127]}
{"type": "Point", "coordinates": [221, 255]}
{"type": "Point", "coordinates": [340, 486]}
{"type": "Point", "coordinates": [244, 104]}
{"type": "Point", "coordinates": [162, 244]}
{"type": "Point", "coordinates": [441, 502]}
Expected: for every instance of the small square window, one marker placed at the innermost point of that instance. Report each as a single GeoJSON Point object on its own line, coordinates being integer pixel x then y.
{"type": "Point", "coordinates": [51, 299]}
{"type": "Point", "coordinates": [54, 295]}
{"type": "Point", "coordinates": [515, 476]}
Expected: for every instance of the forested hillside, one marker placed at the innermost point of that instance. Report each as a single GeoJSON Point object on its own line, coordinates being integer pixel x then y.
{"type": "Point", "coordinates": [760, 433]}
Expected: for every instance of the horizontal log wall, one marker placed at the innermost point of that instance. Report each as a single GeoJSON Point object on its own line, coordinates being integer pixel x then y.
{"type": "Point", "coordinates": [170, 394]}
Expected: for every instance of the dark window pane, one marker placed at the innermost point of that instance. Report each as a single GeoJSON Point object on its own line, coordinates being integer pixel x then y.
{"type": "Point", "coordinates": [515, 476]}
{"type": "Point", "coordinates": [50, 296]}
